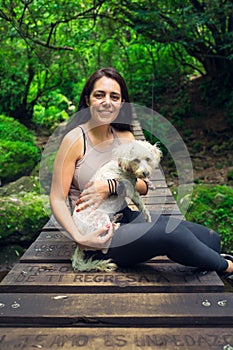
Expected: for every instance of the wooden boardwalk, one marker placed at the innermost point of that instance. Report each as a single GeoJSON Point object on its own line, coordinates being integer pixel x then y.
{"type": "Point", "coordinates": [44, 304]}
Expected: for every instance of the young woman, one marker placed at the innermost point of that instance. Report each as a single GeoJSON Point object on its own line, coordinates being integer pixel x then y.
{"type": "Point", "coordinates": [103, 119]}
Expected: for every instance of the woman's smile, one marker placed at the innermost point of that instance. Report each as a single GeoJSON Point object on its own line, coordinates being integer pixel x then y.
{"type": "Point", "coordinates": [105, 112]}
{"type": "Point", "coordinates": [105, 100]}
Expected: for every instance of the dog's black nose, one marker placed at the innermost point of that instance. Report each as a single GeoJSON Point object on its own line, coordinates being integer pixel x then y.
{"type": "Point", "coordinates": [145, 173]}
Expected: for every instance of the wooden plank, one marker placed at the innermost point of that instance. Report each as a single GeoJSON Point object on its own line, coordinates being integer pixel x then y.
{"type": "Point", "coordinates": [158, 174]}
{"type": "Point", "coordinates": [164, 209]}
{"type": "Point", "coordinates": [159, 183]}
{"type": "Point", "coordinates": [138, 135]}
{"type": "Point", "coordinates": [146, 278]}
{"type": "Point", "coordinates": [152, 199]}
{"type": "Point", "coordinates": [52, 251]}
{"type": "Point", "coordinates": [149, 310]}
{"type": "Point", "coordinates": [117, 338]}
{"type": "Point", "coordinates": [53, 236]}
{"type": "Point", "coordinates": [164, 192]}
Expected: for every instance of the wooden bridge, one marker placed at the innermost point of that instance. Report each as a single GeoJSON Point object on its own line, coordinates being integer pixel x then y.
{"type": "Point", "coordinates": [44, 304]}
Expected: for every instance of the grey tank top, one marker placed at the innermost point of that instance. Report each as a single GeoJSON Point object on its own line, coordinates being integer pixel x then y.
{"type": "Point", "coordinates": [94, 157]}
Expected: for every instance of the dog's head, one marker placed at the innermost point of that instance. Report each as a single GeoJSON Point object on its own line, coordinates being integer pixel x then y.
{"type": "Point", "coordinates": [138, 157]}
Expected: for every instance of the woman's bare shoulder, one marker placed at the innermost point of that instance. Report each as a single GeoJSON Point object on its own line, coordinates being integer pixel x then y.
{"type": "Point", "coordinates": [125, 134]}
{"type": "Point", "coordinates": [73, 136]}
{"type": "Point", "coordinates": [73, 143]}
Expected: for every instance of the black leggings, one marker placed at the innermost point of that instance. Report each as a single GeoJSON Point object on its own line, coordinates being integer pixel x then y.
{"type": "Point", "coordinates": [184, 242]}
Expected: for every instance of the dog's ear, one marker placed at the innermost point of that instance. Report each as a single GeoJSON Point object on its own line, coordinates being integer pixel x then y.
{"type": "Point", "coordinates": [123, 163]}
{"type": "Point", "coordinates": [157, 152]}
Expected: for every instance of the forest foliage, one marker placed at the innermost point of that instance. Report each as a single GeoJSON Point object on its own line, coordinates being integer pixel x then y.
{"type": "Point", "coordinates": [49, 48]}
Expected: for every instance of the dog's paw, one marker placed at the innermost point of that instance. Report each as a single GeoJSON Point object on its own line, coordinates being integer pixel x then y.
{"type": "Point", "coordinates": [116, 226]}
{"type": "Point", "coordinates": [149, 184]}
{"type": "Point", "coordinates": [117, 217]}
{"type": "Point", "coordinates": [147, 216]}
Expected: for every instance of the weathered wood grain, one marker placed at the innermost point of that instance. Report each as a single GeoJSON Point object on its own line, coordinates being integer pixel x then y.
{"type": "Point", "coordinates": [125, 309]}
{"type": "Point", "coordinates": [54, 236]}
{"type": "Point", "coordinates": [50, 251]}
{"type": "Point", "coordinates": [153, 199]}
{"type": "Point", "coordinates": [117, 338]}
{"type": "Point", "coordinates": [145, 278]}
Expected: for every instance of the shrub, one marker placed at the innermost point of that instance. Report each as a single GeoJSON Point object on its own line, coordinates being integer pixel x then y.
{"type": "Point", "coordinates": [18, 159]}
{"type": "Point", "coordinates": [51, 111]}
{"type": "Point", "coordinates": [22, 217]}
{"type": "Point", "coordinates": [211, 206]}
{"type": "Point", "coordinates": [12, 130]}
{"type": "Point", "coordinates": [18, 151]}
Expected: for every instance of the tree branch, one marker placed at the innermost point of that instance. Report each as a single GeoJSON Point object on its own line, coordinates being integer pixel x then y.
{"type": "Point", "coordinates": [18, 25]}
{"type": "Point", "coordinates": [23, 13]}
{"type": "Point", "coordinates": [53, 47]}
{"type": "Point", "coordinates": [53, 26]}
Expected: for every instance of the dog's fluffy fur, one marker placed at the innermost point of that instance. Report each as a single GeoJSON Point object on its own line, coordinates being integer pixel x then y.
{"type": "Point", "coordinates": [131, 160]}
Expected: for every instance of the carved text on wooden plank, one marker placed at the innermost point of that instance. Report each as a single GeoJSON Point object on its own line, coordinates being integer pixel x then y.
{"type": "Point", "coordinates": [163, 273]}
{"type": "Point", "coordinates": [196, 338]}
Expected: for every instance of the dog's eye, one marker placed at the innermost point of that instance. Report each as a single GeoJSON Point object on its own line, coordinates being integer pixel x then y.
{"type": "Point", "coordinates": [147, 159]}
{"type": "Point", "coordinates": [136, 160]}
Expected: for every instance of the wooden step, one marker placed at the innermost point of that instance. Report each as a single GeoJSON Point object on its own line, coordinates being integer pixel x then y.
{"type": "Point", "coordinates": [153, 199]}
{"type": "Point", "coordinates": [117, 338]}
{"type": "Point", "coordinates": [145, 278]}
{"type": "Point", "coordinates": [122, 309]}
{"type": "Point", "coordinates": [50, 251]}
{"type": "Point", "coordinates": [161, 209]}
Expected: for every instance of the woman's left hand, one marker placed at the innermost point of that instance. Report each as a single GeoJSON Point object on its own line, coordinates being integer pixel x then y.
{"type": "Point", "coordinates": [93, 194]}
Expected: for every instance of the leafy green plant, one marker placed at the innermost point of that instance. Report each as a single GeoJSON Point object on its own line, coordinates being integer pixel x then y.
{"type": "Point", "coordinates": [18, 159]}
{"type": "Point", "coordinates": [22, 217]}
{"type": "Point", "coordinates": [12, 130]}
{"type": "Point", "coordinates": [51, 110]}
{"type": "Point", "coordinates": [18, 151]}
{"type": "Point", "coordinates": [211, 206]}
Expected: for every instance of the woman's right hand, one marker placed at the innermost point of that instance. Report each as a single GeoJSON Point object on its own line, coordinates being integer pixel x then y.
{"type": "Point", "coordinates": [93, 194]}
{"type": "Point", "coordinates": [98, 239]}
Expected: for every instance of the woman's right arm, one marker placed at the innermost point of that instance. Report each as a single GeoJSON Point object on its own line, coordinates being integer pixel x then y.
{"type": "Point", "coordinates": [69, 152]}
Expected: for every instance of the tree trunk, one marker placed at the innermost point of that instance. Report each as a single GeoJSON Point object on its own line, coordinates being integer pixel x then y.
{"type": "Point", "coordinates": [23, 114]}
{"type": "Point", "coordinates": [220, 69]}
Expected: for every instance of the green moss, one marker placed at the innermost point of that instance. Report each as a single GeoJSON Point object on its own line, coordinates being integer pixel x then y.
{"type": "Point", "coordinates": [23, 184]}
{"type": "Point", "coordinates": [22, 217]}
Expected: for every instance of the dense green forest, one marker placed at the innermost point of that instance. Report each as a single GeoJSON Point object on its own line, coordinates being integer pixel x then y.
{"type": "Point", "coordinates": [174, 55]}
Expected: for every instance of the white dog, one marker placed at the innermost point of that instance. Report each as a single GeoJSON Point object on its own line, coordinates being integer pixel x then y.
{"type": "Point", "coordinates": [131, 160]}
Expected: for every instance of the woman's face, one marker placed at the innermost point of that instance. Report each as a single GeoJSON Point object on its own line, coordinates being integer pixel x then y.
{"type": "Point", "coordinates": [105, 101]}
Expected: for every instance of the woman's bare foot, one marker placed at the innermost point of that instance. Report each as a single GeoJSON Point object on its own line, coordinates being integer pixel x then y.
{"type": "Point", "coordinates": [230, 266]}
